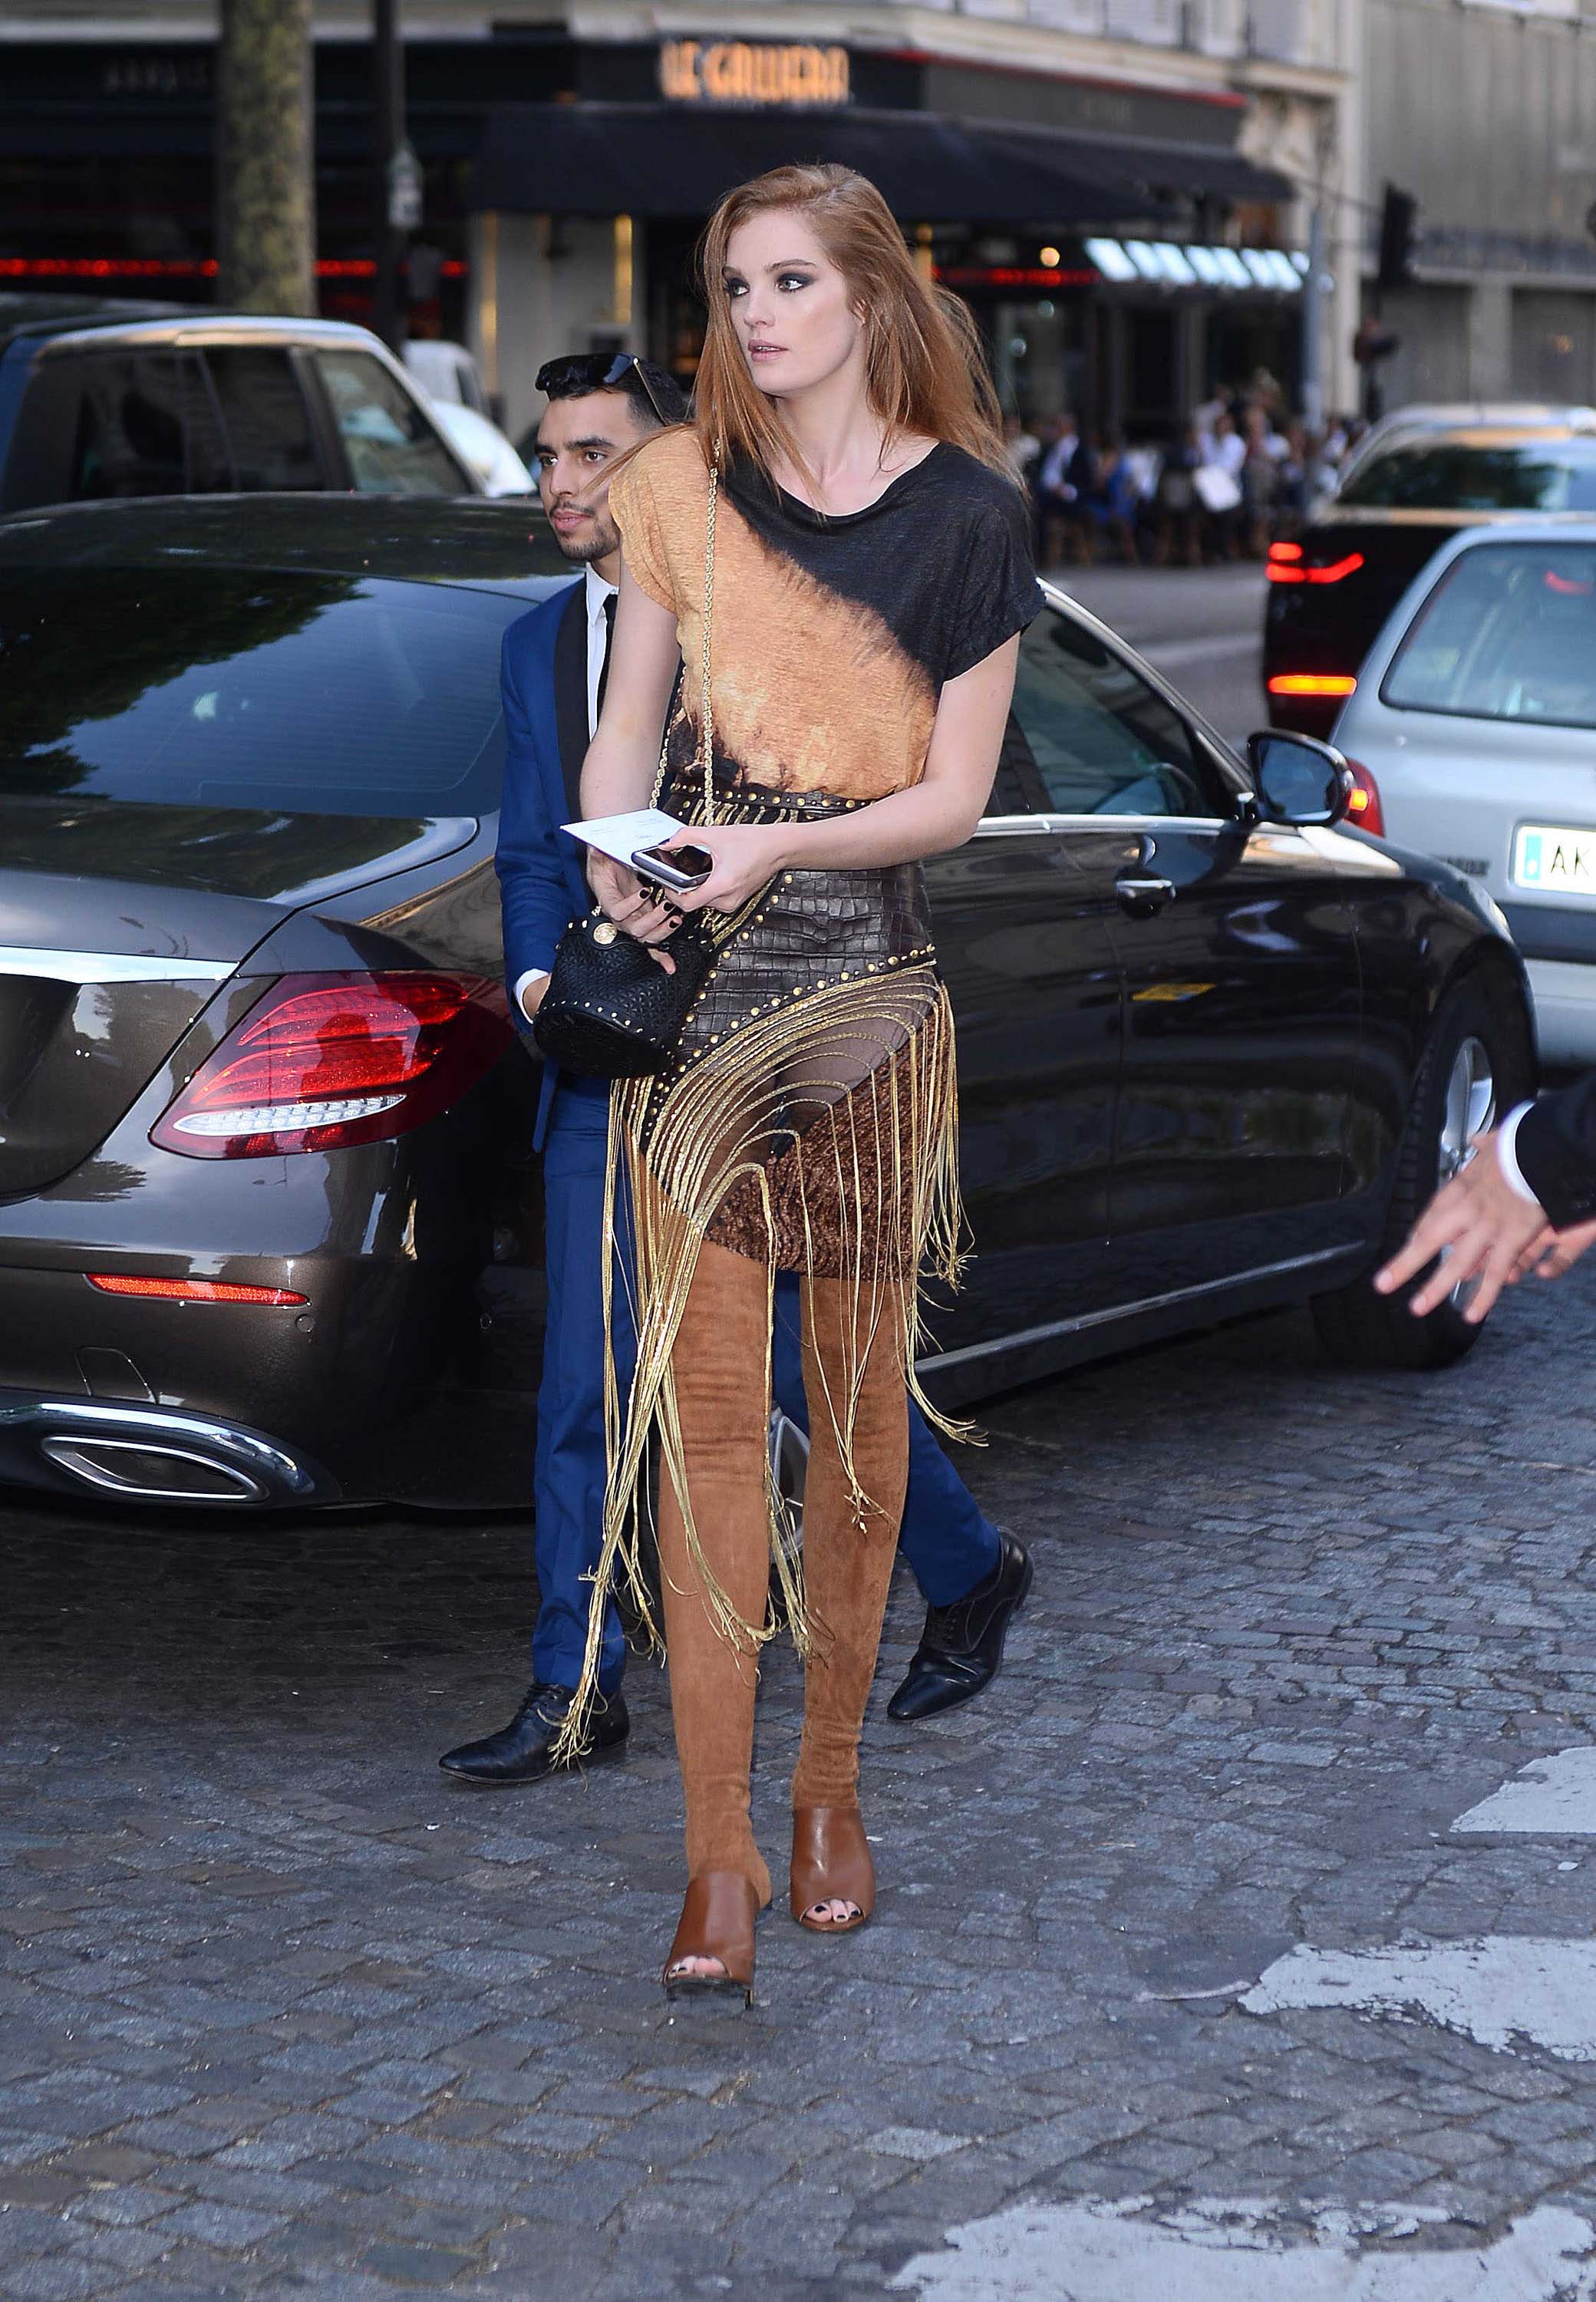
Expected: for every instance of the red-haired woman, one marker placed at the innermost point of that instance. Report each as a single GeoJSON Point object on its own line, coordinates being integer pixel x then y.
{"type": "Point", "coordinates": [836, 549]}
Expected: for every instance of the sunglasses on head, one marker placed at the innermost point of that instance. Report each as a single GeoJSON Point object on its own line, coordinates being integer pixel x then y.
{"type": "Point", "coordinates": [578, 371]}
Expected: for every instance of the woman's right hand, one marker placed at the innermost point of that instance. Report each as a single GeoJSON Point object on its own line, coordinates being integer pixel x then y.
{"type": "Point", "coordinates": [622, 896]}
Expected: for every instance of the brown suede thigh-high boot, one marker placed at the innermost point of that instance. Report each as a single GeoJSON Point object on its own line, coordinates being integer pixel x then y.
{"type": "Point", "coordinates": [847, 1568]}
{"type": "Point", "coordinates": [719, 1367]}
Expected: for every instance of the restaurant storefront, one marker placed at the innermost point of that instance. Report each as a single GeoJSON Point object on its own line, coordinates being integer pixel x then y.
{"type": "Point", "coordinates": [588, 207]}
{"type": "Point", "coordinates": [566, 181]}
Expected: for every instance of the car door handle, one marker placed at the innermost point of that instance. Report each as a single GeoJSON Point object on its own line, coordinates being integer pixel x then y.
{"type": "Point", "coordinates": [1142, 894]}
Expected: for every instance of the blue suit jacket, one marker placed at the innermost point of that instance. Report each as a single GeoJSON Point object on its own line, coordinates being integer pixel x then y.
{"type": "Point", "coordinates": [541, 887]}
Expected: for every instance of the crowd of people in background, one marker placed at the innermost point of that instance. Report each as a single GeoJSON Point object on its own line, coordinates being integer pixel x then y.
{"type": "Point", "coordinates": [1242, 472]}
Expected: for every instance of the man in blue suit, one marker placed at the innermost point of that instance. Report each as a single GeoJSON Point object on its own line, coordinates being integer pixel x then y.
{"type": "Point", "coordinates": [553, 671]}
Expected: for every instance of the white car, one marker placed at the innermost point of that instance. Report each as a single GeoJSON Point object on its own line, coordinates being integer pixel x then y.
{"type": "Point", "coordinates": [459, 400]}
{"type": "Point", "coordinates": [1472, 737]}
{"type": "Point", "coordinates": [485, 448]}
{"type": "Point", "coordinates": [446, 372]}
{"type": "Point", "coordinates": [1420, 417]}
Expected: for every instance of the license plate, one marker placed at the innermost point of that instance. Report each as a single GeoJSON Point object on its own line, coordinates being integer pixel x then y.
{"type": "Point", "coordinates": [1554, 855]}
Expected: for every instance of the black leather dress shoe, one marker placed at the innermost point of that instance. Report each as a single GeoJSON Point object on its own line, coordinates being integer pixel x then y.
{"type": "Point", "coordinates": [522, 1752]}
{"type": "Point", "coordinates": [961, 1648]}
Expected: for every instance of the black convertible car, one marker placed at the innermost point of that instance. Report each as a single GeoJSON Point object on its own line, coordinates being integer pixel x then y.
{"type": "Point", "coordinates": [268, 1215]}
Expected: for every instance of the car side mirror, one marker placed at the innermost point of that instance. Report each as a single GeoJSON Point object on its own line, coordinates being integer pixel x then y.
{"type": "Point", "coordinates": [1298, 780]}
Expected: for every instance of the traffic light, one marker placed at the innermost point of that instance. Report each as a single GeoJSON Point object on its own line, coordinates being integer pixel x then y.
{"type": "Point", "coordinates": [1399, 213]}
{"type": "Point", "coordinates": [1371, 344]}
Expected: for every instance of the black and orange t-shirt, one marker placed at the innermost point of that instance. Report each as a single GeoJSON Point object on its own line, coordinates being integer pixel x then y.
{"type": "Point", "coordinates": [832, 633]}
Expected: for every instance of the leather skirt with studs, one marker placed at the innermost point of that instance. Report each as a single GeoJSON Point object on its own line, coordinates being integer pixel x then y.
{"type": "Point", "coordinates": [819, 1009]}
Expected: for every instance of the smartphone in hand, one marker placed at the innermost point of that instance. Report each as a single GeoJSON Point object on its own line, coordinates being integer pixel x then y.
{"type": "Point", "coordinates": [676, 869]}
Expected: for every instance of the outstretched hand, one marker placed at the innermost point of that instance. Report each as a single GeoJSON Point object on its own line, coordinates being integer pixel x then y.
{"type": "Point", "coordinates": [1480, 1229]}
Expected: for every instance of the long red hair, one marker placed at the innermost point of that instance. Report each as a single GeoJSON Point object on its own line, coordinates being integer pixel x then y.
{"type": "Point", "coordinates": [925, 368]}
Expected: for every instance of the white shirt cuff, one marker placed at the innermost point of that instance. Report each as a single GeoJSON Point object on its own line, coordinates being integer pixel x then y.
{"type": "Point", "coordinates": [532, 975]}
{"type": "Point", "coordinates": [1507, 1158]}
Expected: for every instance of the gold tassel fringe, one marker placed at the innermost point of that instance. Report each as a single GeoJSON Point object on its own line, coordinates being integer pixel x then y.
{"type": "Point", "coordinates": [893, 1196]}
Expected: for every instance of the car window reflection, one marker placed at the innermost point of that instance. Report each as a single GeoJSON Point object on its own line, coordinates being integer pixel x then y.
{"type": "Point", "coordinates": [230, 688]}
{"type": "Point", "coordinates": [1103, 739]}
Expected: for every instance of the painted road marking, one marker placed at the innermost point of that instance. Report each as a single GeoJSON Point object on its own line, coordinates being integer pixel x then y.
{"type": "Point", "coordinates": [1500, 1990]}
{"type": "Point", "coordinates": [1555, 1795]}
{"type": "Point", "coordinates": [1246, 2251]}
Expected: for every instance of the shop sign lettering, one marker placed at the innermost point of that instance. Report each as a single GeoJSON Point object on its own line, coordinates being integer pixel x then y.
{"type": "Point", "coordinates": [749, 71]}
{"type": "Point", "coordinates": [156, 75]}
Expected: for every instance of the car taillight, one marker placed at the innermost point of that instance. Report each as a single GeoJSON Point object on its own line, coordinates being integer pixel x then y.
{"type": "Point", "coordinates": [1363, 805]}
{"type": "Point", "coordinates": [327, 1060]}
{"type": "Point", "coordinates": [1286, 565]}
{"type": "Point", "coordinates": [194, 1290]}
{"type": "Point", "coordinates": [1312, 683]}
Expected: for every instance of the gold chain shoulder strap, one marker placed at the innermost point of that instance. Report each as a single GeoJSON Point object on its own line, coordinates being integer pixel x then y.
{"type": "Point", "coordinates": [706, 706]}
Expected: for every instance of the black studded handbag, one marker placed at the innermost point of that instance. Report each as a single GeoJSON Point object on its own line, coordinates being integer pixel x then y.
{"type": "Point", "coordinates": [610, 1010]}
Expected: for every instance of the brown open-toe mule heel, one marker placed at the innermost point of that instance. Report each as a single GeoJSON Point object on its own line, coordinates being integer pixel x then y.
{"type": "Point", "coordinates": [831, 1863]}
{"type": "Point", "coordinates": [717, 1916]}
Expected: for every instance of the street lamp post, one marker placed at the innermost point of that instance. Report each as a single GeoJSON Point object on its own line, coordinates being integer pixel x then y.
{"type": "Point", "coordinates": [1314, 287]}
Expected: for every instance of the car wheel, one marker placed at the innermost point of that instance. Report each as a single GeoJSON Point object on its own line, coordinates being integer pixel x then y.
{"type": "Point", "coordinates": [1476, 1067]}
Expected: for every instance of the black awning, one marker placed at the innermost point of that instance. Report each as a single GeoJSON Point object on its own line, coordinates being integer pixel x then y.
{"type": "Point", "coordinates": [662, 160]}
{"type": "Point", "coordinates": [1151, 170]}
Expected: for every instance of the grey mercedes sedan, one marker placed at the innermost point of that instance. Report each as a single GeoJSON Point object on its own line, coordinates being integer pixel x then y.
{"type": "Point", "coordinates": [269, 1215]}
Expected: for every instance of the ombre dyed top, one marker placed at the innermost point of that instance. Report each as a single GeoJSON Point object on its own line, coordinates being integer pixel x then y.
{"type": "Point", "coordinates": [832, 633]}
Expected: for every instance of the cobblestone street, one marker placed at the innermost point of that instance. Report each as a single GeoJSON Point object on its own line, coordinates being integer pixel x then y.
{"type": "Point", "coordinates": [286, 2012]}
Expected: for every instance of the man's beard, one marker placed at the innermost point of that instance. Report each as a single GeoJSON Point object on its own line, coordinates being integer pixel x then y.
{"type": "Point", "coordinates": [595, 543]}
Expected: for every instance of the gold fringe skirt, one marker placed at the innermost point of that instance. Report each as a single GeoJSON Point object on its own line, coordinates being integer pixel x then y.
{"type": "Point", "coordinates": [809, 1121]}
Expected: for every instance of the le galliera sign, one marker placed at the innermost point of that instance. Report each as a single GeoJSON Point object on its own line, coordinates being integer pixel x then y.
{"type": "Point", "coordinates": [752, 72]}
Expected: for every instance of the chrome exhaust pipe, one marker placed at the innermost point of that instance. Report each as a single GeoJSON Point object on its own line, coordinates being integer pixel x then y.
{"type": "Point", "coordinates": [141, 1472]}
{"type": "Point", "coordinates": [150, 1455]}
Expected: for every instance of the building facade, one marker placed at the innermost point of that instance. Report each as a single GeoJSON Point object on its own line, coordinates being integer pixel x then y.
{"type": "Point", "coordinates": [1487, 114]}
{"type": "Point", "coordinates": [1125, 191]}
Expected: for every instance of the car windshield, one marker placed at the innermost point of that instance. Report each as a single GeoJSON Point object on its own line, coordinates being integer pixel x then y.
{"type": "Point", "coordinates": [1509, 633]}
{"type": "Point", "coordinates": [225, 686]}
{"type": "Point", "coordinates": [1459, 476]}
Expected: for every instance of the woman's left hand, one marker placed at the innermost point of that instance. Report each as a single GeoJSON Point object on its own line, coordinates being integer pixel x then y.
{"type": "Point", "coordinates": [747, 855]}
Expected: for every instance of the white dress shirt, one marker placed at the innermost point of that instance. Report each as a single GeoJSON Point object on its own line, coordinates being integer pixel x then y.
{"type": "Point", "coordinates": [595, 592]}
{"type": "Point", "coordinates": [1055, 464]}
{"type": "Point", "coordinates": [1507, 1155]}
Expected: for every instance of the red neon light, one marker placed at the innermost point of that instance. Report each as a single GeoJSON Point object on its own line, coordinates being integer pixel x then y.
{"type": "Point", "coordinates": [176, 267]}
{"type": "Point", "coordinates": [194, 1290]}
{"type": "Point", "coordinates": [1012, 275]}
